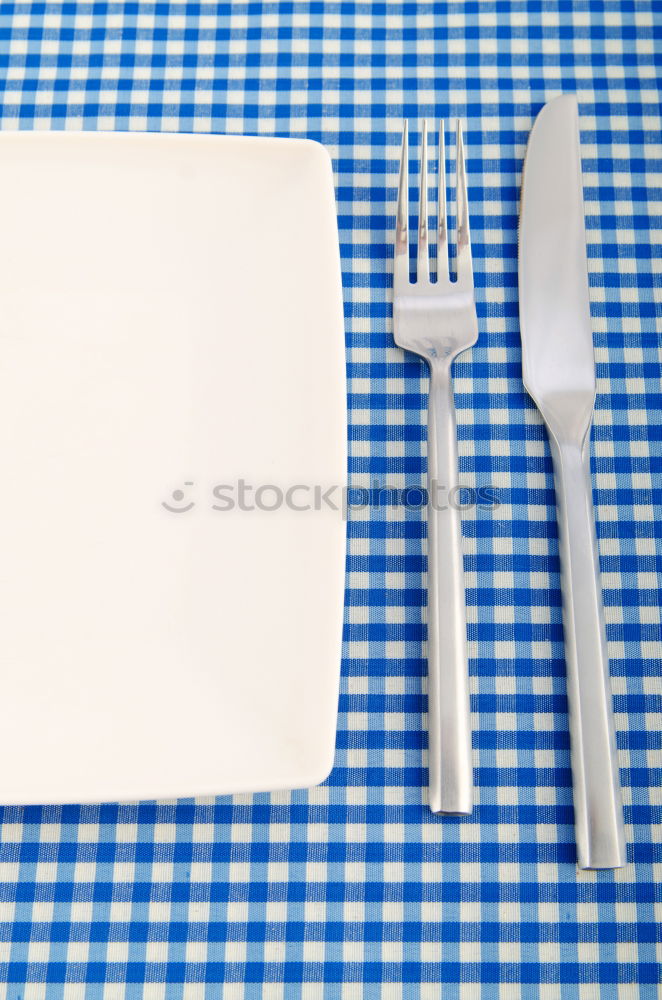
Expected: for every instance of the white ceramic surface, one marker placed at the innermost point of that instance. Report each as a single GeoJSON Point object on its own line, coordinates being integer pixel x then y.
{"type": "Point", "coordinates": [171, 313]}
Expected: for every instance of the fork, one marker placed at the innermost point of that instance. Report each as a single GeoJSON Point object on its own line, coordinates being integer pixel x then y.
{"type": "Point", "coordinates": [437, 320]}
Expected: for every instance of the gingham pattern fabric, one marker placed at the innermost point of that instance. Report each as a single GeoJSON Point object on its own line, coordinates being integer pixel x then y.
{"type": "Point", "coordinates": [353, 889]}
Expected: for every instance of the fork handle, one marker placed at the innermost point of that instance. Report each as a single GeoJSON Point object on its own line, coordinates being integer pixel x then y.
{"type": "Point", "coordinates": [599, 830]}
{"type": "Point", "coordinates": [450, 776]}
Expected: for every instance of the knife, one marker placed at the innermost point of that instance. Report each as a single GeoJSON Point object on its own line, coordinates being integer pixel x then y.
{"type": "Point", "coordinates": [559, 374]}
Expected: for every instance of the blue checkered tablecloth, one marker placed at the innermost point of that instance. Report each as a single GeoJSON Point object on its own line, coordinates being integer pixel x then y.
{"type": "Point", "coordinates": [353, 889]}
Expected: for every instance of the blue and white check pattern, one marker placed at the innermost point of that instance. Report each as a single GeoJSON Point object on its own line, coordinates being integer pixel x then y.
{"type": "Point", "coordinates": [353, 889]}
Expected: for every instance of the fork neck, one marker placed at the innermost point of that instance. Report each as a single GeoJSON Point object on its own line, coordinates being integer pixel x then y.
{"type": "Point", "coordinates": [440, 366]}
{"type": "Point", "coordinates": [441, 420]}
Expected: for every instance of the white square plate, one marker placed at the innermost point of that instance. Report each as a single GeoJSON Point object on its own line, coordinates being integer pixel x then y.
{"type": "Point", "coordinates": [171, 323]}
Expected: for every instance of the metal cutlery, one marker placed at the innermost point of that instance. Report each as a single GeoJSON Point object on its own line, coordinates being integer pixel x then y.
{"type": "Point", "coordinates": [436, 319]}
{"type": "Point", "coordinates": [559, 374]}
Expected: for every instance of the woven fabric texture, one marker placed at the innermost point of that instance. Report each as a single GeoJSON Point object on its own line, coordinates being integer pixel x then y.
{"type": "Point", "coordinates": [353, 889]}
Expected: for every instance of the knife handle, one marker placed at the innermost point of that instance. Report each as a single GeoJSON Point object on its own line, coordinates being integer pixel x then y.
{"type": "Point", "coordinates": [599, 829]}
{"type": "Point", "coordinates": [450, 776]}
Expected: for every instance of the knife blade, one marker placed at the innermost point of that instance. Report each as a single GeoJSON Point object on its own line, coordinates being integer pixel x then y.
{"type": "Point", "coordinates": [559, 374]}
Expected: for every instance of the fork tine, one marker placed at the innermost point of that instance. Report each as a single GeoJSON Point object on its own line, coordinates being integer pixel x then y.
{"type": "Point", "coordinates": [464, 264]}
{"type": "Point", "coordinates": [401, 260]}
{"type": "Point", "coordinates": [423, 261]}
{"type": "Point", "coordinates": [442, 222]}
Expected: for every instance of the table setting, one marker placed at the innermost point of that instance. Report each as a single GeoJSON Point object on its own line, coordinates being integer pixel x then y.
{"type": "Point", "coordinates": [330, 434]}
